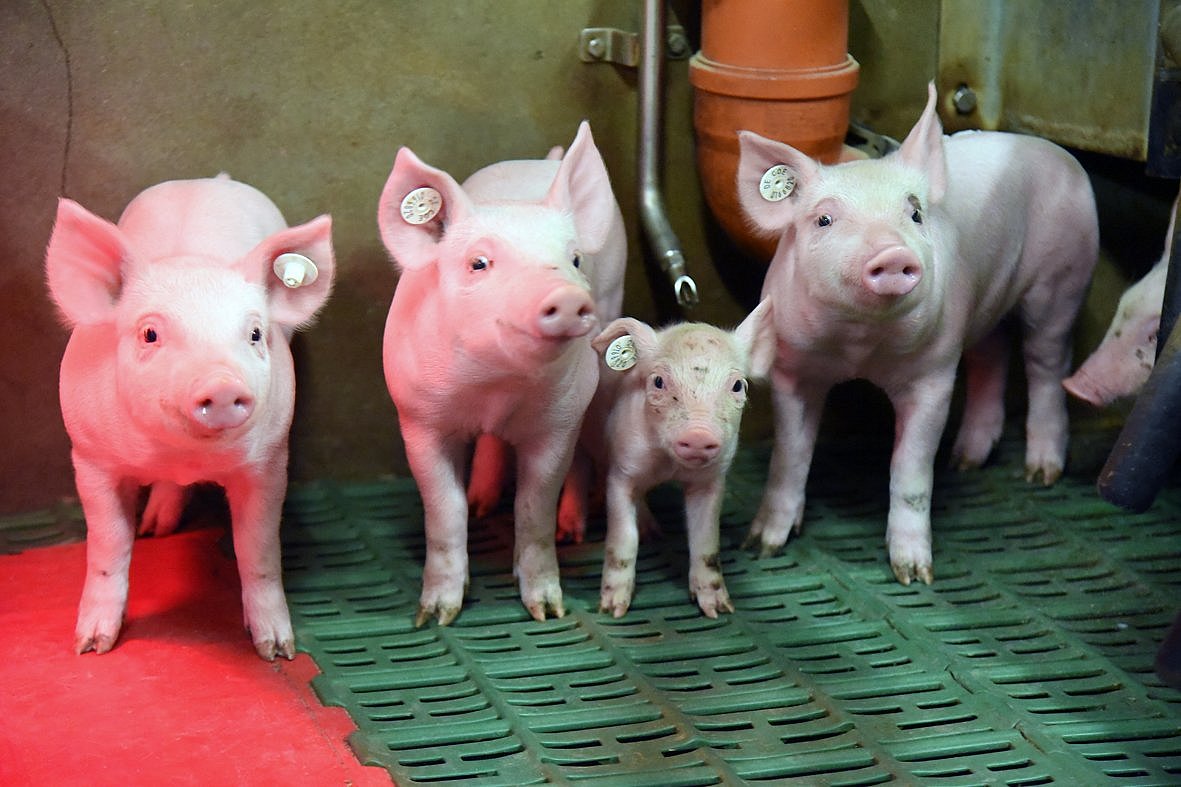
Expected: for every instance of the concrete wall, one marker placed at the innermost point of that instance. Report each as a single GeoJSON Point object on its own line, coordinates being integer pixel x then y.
{"type": "Point", "coordinates": [309, 100]}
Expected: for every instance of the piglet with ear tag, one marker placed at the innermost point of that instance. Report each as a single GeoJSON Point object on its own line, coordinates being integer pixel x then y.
{"type": "Point", "coordinates": [503, 282]}
{"type": "Point", "coordinates": [677, 406]}
{"type": "Point", "coordinates": [178, 371]}
{"type": "Point", "coordinates": [890, 270]}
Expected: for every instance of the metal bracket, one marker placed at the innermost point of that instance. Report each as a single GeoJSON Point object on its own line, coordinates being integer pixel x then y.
{"type": "Point", "coordinates": [622, 48]}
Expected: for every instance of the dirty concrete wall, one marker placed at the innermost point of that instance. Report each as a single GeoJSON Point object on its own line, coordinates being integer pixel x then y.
{"type": "Point", "coordinates": [309, 100]}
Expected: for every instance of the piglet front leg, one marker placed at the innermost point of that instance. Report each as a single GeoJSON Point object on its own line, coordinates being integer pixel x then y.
{"type": "Point", "coordinates": [256, 507]}
{"type": "Point", "coordinates": [920, 415]}
{"type": "Point", "coordinates": [618, 583]}
{"type": "Point", "coordinates": [437, 465]}
{"type": "Point", "coordinates": [109, 507]}
{"type": "Point", "coordinates": [542, 464]}
{"type": "Point", "coordinates": [703, 509]}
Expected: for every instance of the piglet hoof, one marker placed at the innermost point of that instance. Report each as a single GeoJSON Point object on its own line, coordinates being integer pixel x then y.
{"type": "Point", "coordinates": [96, 630]}
{"type": "Point", "coordinates": [755, 540]}
{"type": "Point", "coordinates": [615, 597]}
{"type": "Point", "coordinates": [569, 530]}
{"type": "Point", "coordinates": [540, 609]}
{"type": "Point", "coordinates": [543, 599]}
{"type": "Point", "coordinates": [713, 599]}
{"type": "Point", "coordinates": [1047, 473]}
{"type": "Point", "coordinates": [963, 464]}
{"type": "Point", "coordinates": [768, 535]}
{"type": "Point", "coordinates": [268, 649]}
{"type": "Point", "coordinates": [99, 643]}
{"type": "Point", "coordinates": [906, 573]}
{"type": "Point", "coordinates": [443, 613]}
{"type": "Point", "coordinates": [616, 607]}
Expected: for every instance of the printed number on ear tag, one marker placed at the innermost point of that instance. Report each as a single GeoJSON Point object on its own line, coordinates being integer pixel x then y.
{"type": "Point", "coordinates": [621, 353]}
{"type": "Point", "coordinates": [421, 205]}
{"type": "Point", "coordinates": [777, 183]}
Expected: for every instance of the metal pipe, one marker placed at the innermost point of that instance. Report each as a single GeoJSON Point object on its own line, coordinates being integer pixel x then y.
{"type": "Point", "coordinates": [661, 238]}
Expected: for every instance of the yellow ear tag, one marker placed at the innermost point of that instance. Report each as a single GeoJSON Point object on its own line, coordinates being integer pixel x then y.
{"type": "Point", "coordinates": [621, 353]}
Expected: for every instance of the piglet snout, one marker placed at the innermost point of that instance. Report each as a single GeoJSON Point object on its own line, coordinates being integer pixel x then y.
{"type": "Point", "coordinates": [697, 446]}
{"type": "Point", "coordinates": [221, 401]}
{"type": "Point", "coordinates": [565, 313]}
{"type": "Point", "coordinates": [892, 272]}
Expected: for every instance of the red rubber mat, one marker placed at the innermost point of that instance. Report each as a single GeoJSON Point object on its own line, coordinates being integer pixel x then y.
{"type": "Point", "coordinates": [182, 699]}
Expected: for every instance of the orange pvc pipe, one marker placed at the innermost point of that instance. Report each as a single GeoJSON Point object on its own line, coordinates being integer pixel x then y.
{"type": "Point", "coordinates": [776, 67]}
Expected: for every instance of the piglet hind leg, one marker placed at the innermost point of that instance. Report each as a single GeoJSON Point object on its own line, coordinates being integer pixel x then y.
{"type": "Point", "coordinates": [488, 475]}
{"type": "Point", "coordinates": [166, 503]}
{"type": "Point", "coordinates": [542, 465]}
{"type": "Point", "coordinates": [574, 503]}
{"type": "Point", "coordinates": [1047, 427]}
{"type": "Point", "coordinates": [797, 420]}
{"type": "Point", "coordinates": [108, 506]}
{"type": "Point", "coordinates": [256, 506]}
{"type": "Point", "coordinates": [920, 415]}
{"type": "Point", "coordinates": [985, 367]}
{"type": "Point", "coordinates": [703, 510]}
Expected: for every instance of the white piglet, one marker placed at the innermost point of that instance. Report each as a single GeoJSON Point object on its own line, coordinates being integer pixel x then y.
{"type": "Point", "coordinates": [488, 334]}
{"type": "Point", "coordinates": [676, 408]}
{"type": "Point", "coordinates": [1121, 364]}
{"type": "Point", "coordinates": [178, 371]}
{"type": "Point", "coordinates": [889, 270]}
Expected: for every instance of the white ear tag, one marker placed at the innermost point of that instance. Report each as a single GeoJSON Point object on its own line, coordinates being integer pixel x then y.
{"type": "Point", "coordinates": [421, 205]}
{"type": "Point", "coordinates": [295, 270]}
{"type": "Point", "coordinates": [777, 183]}
{"type": "Point", "coordinates": [621, 353]}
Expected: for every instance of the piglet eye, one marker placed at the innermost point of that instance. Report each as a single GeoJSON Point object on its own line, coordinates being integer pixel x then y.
{"type": "Point", "coordinates": [739, 386]}
{"type": "Point", "coordinates": [824, 220]}
{"type": "Point", "coordinates": [480, 263]}
{"type": "Point", "coordinates": [916, 217]}
{"type": "Point", "coordinates": [658, 382]}
{"type": "Point", "coordinates": [150, 336]}
{"type": "Point", "coordinates": [577, 261]}
{"type": "Point", "coordinates": [256, 335]}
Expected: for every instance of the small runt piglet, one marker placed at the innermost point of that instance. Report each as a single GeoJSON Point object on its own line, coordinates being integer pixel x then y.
{"type": "Point", "coordinates": [503, 282]}
{"type": "Point", "coordinates": [178, 371]}
{"type": "Point", "coordinates": [890, 270]}
{"type": "Point", "coordinates": [677, 404]}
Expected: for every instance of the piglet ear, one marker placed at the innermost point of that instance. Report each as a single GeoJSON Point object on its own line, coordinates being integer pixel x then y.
{"type": "Point", "coordinates": [771, 175]}
{"type": "Point", "coordinates": [923, 148]}
{"type": "Point", "coordinates": [583, 187]}
{"type": "Point", "coordinates": [418, 204]}
{"type": "Point", "coordinates": [756, 337]}
{"type": "Point", "coordinates": [84, 264]}
{"type": "Point", "coordinates": [299, 282]}
{"type": "Point", "coordinates": [643, 343]}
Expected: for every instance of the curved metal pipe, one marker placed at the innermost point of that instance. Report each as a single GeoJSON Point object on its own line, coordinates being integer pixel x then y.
{"type": "Point", "coordinates": [653, 218]}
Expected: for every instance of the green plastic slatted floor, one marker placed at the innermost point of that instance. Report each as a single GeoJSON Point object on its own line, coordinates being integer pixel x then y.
{"type": "Point", "coordinates": [1029, 661]}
